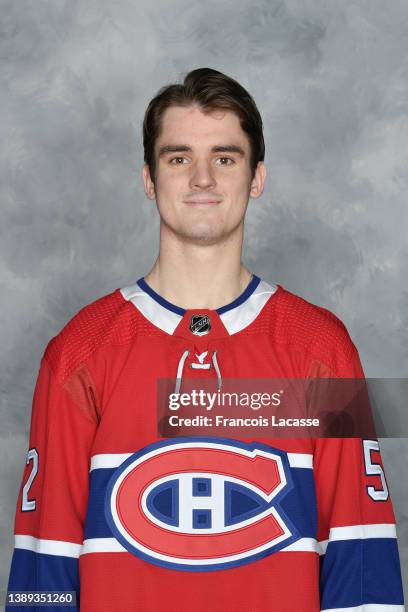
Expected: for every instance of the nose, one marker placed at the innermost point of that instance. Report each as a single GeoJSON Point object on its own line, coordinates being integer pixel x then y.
{"type": "Point", "coordinates": [202, 176]}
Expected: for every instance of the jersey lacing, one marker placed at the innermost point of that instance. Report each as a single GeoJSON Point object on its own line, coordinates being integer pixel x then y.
{"type": "Point", "coordinates": [197, 366]}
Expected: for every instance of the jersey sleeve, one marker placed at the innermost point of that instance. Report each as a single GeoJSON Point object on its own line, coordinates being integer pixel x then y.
{"type": "Point", "coordinates": [51, 504]}
{"type": "Point", "coordinates": [359, 561]}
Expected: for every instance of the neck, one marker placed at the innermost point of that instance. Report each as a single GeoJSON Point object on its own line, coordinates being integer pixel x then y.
{"type": "Point", "coordinates": [193, 275]}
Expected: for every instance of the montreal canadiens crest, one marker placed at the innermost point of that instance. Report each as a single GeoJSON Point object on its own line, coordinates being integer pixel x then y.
{"type": "Point", "coordinates": [201, 504]}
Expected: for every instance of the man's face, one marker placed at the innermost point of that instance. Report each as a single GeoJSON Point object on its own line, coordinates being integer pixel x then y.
{"type": "Point", "coordinates": [203, 175]}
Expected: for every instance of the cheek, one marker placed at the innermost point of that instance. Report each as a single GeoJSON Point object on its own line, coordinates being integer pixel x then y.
{"type": "Point", "coordinates": [170, 183]}
{"type": "Point", "coordinates": [166, 191]}
{"type": "Point", "coordinates": [238, 190]}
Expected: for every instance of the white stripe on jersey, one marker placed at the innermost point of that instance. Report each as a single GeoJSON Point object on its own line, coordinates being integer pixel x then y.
{"type": "Point", "coordinates": [108, 460]}
{"type": "Point", "coordinates": [113, 460]}
{"type": "Point", "coordinates": [161, 317]}
{"type": "Point", "coordinates": [70, 549]}
{"type": "Point", "coordinates": [243, 315]}
{"type": "Point", "coordinates": [101, 545]}
{"type": "Point", "coordinates": [359, 532]}
{"type": "Point", "coordinates": [300, 460]}
{"type": "Point", "coordinates": [47, 547]}
{"type": "Point", "coordinates": [302, 545]}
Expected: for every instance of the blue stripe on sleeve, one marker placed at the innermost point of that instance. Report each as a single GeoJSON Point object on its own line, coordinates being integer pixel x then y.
{"type": "Point", "coordinates": [357, 572]}
{"type": "Point", "coordinates": [32, 571]}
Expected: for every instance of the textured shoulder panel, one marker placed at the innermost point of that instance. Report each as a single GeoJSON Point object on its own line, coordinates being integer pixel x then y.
{"type": "Point", "coordinates": [108, 320]}
{"type": "Point", "coordinates": [296, 322]}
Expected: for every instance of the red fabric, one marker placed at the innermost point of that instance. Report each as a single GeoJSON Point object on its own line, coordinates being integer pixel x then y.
{"type": "Point", "coordinates": [96, 393]}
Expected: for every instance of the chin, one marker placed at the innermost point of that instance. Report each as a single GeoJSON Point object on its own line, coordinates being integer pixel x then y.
{"type": "Point", "coordinates": [210, 237]}
{"type": "Point", "coordinates": [203, 233]}
{"type": "Point", "coordinates": [200, 231]}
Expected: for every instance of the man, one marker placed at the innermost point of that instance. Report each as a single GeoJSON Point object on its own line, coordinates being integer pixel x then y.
{"type": "Point", "coordinates": [133, 521]}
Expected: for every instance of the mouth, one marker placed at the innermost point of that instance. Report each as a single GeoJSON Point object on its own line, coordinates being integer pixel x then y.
{"type": "Point", "coordinates": [202, 201]}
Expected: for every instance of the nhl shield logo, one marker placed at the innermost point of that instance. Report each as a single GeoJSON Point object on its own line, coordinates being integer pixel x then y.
{"type": "Point", "coordinates": [200, 324]}
{"type": "Point", "coordinates": [201, 504]}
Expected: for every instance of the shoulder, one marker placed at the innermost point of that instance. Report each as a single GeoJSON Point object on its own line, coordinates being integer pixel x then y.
{"type": "Point", "coordinates": [316, 330]}
{"type": "Point", "coordinates": [294, 317]}
{"type": "Point", "coordinates": [110, 319]}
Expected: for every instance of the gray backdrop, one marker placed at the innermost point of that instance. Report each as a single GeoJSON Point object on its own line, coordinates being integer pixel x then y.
{"type": "Point", "coordinates": [330, 79]}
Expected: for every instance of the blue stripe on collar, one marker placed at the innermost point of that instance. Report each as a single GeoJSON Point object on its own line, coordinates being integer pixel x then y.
{"type": "Point", "coordinates": [159, 299]}
{"type": "Point", "coordinates": [253, 284]}
{"type": "Point", "coordinates": [241, 298]}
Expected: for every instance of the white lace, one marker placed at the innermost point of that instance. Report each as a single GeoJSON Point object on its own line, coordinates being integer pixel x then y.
{"type": "Point", "coordinates": [197, 366]}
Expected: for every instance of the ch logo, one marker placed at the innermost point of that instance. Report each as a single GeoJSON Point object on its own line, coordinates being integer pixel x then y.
{"type": "Point", "coordinates": [201, 504]}
{"type": "Point", "coordinates": [200, 324]}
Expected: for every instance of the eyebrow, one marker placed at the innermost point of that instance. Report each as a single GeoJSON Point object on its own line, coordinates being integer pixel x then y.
{"type": "Point", "coordinates": [183, 148]}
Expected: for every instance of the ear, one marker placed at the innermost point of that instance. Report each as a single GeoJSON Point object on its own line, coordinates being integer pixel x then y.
{"type": "Point", "coordinates": [148, 183]}
{"type": "Point", "coordinates": [258, 182]}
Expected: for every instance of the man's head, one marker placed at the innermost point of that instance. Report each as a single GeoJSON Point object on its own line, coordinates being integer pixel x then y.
{"type": "Point", "coordinates": [204, 152]}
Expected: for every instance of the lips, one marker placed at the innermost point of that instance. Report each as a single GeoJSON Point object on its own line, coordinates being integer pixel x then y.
{"type": "Point", "coordinates": [202, 201]}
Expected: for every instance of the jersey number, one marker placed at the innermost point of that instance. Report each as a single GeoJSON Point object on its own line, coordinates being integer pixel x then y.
{"type": "Point", "coordinates": [374, 469]}
{"type": "Point", "coordinates": [29, 504]}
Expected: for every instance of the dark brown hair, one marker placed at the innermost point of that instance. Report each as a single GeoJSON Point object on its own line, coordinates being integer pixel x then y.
{"type": "Point", "coordinates": [211, 90]}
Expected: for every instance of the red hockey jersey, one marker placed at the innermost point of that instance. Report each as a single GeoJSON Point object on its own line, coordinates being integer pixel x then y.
{"type": "Point", "coordinates": [133, 521]}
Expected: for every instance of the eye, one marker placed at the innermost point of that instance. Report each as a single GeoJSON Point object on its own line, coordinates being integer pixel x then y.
{"type": "Point", "coordinates": [178, 161]}
{"type": "Point", "coordinates": [225, 161]}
